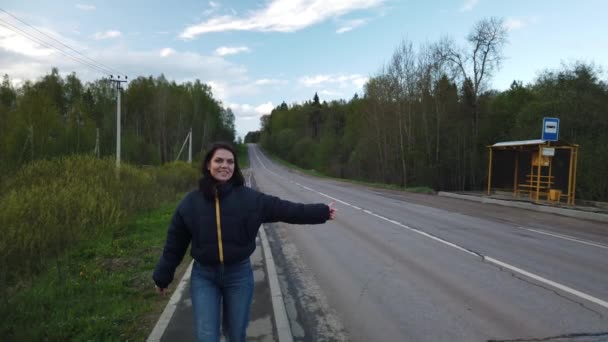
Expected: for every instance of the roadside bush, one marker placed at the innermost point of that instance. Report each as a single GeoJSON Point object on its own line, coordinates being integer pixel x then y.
{"type": "Point", "coordinates": [178, 176]}
{"type": "Point", "coordinates": [50, 205]}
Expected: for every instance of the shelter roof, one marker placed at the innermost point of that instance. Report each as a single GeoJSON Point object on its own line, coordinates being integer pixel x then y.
{"type": "Point", "coordinates": [530, 143]}
{"type": "Point", "coordinates": [519, 142]}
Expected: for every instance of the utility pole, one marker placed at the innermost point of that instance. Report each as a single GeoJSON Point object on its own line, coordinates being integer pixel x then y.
{"type": "Point", "coordinates": [78, 133]}
{"type": "Point", "coordinates": [188, 139]}
{"type": "Point", "coordinates": [190, 148]}
{"type": "Point", "coordinates": [96, 151]}
{"type": "Point", "coordinates": [32, 140]}
{"type": "Point", "coordinates": [118, 81]}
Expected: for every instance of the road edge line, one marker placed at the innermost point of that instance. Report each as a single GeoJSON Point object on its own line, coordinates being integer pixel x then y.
{"type": "Point", "coordinates": [165, 317]}
{"type": "Point", "coordinates": [278, 305]}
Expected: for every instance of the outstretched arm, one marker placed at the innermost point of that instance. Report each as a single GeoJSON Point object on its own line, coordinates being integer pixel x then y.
{"type": "Point", "coordinates": [275, 209]}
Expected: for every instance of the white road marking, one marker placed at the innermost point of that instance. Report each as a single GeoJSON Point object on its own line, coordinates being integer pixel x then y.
{"type": "Point", "coordinates": [549, 282]}
{"type": "Point", "coordinates": [486, 258]}
{"type": "Point", "coordinates": [165, 317]}
{"type": "Point", "coordinates": [565, 237]}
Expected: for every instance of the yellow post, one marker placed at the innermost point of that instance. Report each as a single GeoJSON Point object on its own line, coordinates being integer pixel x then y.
{"type": "Point", "coordinates": [549, 179]}
{"type": "Point", "coordinates": [516, 172]}
{"type": "Point", "coordinates": [574, 178]}
{"type": "Point", "coordinates": [550, 169]}
{"type": "Point", "coordinates": [539, 160]}
{"type": "Point", "coordinates": [490, 171]}
{"type": "Point", "coordinates": [530, 181]}
{"type": "Point", "coordinates": [570, 195]}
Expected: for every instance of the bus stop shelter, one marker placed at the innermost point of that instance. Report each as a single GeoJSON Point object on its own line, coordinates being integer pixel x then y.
{"type": "Point", "coordinates": [536, 169]}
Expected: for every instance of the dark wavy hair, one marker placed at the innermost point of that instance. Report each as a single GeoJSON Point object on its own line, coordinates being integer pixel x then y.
{"type": "Point", "coordinates": [207, 184]}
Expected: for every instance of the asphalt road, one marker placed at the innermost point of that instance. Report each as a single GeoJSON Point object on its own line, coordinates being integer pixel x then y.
{"type": "Point", "coordinates": [410, 267]}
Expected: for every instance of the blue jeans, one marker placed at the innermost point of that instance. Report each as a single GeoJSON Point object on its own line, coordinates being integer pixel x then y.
{"type": "Point", "coordinates": [229, 287]}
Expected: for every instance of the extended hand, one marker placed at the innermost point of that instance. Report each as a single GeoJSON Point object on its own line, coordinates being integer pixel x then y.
{"type": "Point", "coordinates": [162, 292]}
{"type": "Point", "coordinates": [332, 211]}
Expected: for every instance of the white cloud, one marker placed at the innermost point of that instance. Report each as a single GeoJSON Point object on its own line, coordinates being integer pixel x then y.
{"type": "Point", "coordinates": [247, 117]}
{"type": "Point", "coordinates": [213, 4]}
{"type": "Point", "coordinates": [330, 93]}
{"type": "Point", "coordinates": [181, 67]}
{"type": "Point", "coordinates": [248, 111]}
{"type": "Point", "coordinates": [350, 25]}
{"type": "Point", "coordinates": [469, 5]}
{"type": "Point", "coordinates": [242, 110]}
{"type": "Point", "coordinates": [18, 71]}
{"type": "Point", "coordinates": [228, 50]}
{"type": "Point", "coordinates": [232, 88]}
{"type": "Point", "coordinates": [107, 34]}
{"type": "Point", "coordinates": [166, 52]}
{"type": "Point", "coordinates": [333, 87]}
{"type": "Point", "coordinates": [360, 81]}
{"type": "Point", "coordinates": [514, 24]}
{"type": "Point", "coordinates": [314, 80]}
{"type": "Point", "coordinates": [16, 82]}
{"type": "Point", "coordinates": [267, 81]}
{"type": "Point", "coordinates": [341, 81]}
{"type": "Point", "coordinates": [23, 59]}
{"type": "Point", "coordinates": [281, 16]}
{"type": "Point", "coordinates": [218, 89]}
{"type": "Point", "coordinates": [264, 108]}
{"type": "Point", "coordinates": [11, 41]}
{"type": "Point", "coordinates": [85, 7]}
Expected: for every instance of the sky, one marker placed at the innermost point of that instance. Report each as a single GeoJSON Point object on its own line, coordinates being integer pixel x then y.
{"type": "Point", "coordinates": [257, 54]}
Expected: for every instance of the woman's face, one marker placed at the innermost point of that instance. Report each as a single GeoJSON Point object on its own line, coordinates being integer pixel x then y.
{"type": "Point", "coordinates": [221, 165]}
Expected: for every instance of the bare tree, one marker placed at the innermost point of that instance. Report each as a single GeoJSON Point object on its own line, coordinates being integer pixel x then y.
{"type": "Point", "coordinates": [477, 65]}
{"type": "Point", "coordinates": [379, 95]}
{"type": "Point", "coordinates": [401, 72]}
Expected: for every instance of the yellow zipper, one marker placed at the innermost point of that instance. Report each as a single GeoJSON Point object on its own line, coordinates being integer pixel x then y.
{"type": "Point", "coordinates": [219, 228]}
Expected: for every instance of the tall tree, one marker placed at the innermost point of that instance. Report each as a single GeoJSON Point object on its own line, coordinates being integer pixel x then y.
{"type": "Point", "coordinates": [315, 118]}
{"type": "Point", "coordinates": [475, 66]}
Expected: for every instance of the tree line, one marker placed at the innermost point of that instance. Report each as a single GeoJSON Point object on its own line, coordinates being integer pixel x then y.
{"type": "Point", "coordinates": [426, 117]}
{"type": "Point", "coordinates": [56, 116]}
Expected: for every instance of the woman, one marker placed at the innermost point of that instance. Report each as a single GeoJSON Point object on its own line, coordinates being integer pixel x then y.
{"type": "Point", "coordinates": [221, 220]}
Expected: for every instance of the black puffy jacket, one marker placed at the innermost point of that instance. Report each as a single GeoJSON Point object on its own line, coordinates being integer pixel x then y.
{"type": "Point", "coordinates": [242, 211]}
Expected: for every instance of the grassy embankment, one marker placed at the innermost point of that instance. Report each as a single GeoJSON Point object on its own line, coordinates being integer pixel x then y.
{"type": "Point", "coordinates": [103, 292]}
{"type": "Point", "coordinates": [78, 245]}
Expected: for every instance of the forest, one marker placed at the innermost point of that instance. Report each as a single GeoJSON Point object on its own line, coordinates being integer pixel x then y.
{"type": "Point", "coordinates": [57, 116]}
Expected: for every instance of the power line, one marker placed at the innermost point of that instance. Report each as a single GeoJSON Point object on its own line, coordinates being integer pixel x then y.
{"type": "Point", "coordinates": [63, 44]}
{"type": "Point", "coordinates": [39, 41]}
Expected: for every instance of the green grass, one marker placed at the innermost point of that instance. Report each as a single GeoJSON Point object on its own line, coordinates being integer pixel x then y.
{"type": "Point", "coordinates": [416, 189]}
{"type": "Point", "coordinates": [242, 156]}
{"type": "Point", "coordinates": [100, 290]}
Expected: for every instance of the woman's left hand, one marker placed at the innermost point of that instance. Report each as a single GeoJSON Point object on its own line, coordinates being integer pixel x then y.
{"type": "Point", "coordinates": [162, 292]}
{"type": "Point", "coordinates": [332, 211]}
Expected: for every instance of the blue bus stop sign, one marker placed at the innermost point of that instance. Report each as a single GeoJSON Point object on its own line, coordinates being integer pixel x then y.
{"type": "Point", "coordinates": [550, 129]}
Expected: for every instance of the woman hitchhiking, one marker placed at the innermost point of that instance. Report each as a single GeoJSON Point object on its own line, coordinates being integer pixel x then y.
{"type": "Point", "coordinates": [222, 219]}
